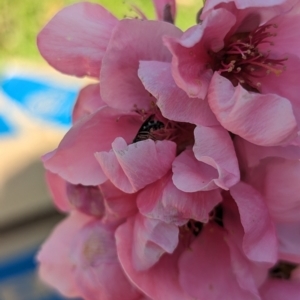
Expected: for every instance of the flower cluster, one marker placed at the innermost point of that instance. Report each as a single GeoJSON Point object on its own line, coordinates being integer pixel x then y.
{"type": "Point", "coordinates": [180, 172]}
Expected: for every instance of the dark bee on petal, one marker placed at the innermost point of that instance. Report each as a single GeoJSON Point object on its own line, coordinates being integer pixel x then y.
{"type": "Point", "coordinates": [147, 128]}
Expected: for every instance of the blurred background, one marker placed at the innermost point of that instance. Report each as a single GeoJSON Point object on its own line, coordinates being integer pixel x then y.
{"type": "Point", "coordinates": [35, 112]}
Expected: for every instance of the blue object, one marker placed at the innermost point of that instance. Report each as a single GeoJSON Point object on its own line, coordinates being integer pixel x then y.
{"type": "Point", "coordinates": [48, 102]}
{"type": "Point", "coordinates": [19, 281]}
{"type": "Point", "coordinates": [5, 127]}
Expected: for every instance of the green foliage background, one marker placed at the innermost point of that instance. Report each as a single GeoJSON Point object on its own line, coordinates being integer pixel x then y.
{"type": "Point", "coordinates": [21, 20]}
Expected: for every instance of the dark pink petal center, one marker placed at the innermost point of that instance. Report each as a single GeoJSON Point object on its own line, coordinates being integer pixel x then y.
{"type": "Point", "coordinates": [242, 62]}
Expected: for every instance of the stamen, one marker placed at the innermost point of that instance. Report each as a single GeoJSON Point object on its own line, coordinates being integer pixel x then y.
{"type": "Point", "coordinates": [241, 61]}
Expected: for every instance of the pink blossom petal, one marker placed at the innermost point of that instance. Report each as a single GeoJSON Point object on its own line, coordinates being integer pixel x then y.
{"type": "Point", "coordinates": [132, 167]}
{"type": "Point", "coordinates": [276, 84]}
{"type": "Point", "coordinates": [58, 190]}
{"type": "Point", "coordinates": [289, 241]}
{"type": "Point", "coordinates": [163, 201]}
{"type": "Point", "coordinates": [280, 290]}
{"type": "Point", "coordinates": [250, 274]}
{"type": "Point", "coordinates": [121, 87]}
{"type": "Point", "coordinates": [260, 241]}
{"type": "Point", "coordinates": [250, 155]}
{"type": "Point", "coordinates": [205, 270]}
{"type": "Point", "coordinates": [250, 115]}
{"type": "Point", "coordinates": [56, 267]}
{"type": "Point", "coordinates": [152, 238]}
{"type": "Point", "coordinates": [118, 203]}
{"type": "Point", "coordinates": [215, 164]}
{"type": "Point", "coordinates": [98, 272]}
{"type": "Point", "coordinates": [191, 175]}
{"type": "Point", "coordinates": [75, 40]}
{"type": "Point", "coordinates": [173, 102]}
{"type": "Point", "coordinates": [74, 158]}
{"type": "Point", "coordinates": [87, 199]}
{"type": "Point", "coordinates": [190, 57]}
{"type": "Point", "coordinates": [160, 6]}
{"type": "Point", "coordinates": [88, 101]}
{"type": "Point", "coordinates": [159, 282]}
{"type": "Point", "coordinates": [214, 147]}
{"type": "Point", "coordinates": [286, 39]}
{"type": "Point", "coordinates": [278, 6]}
{"type": "Point", "coordinates": [280, 187]}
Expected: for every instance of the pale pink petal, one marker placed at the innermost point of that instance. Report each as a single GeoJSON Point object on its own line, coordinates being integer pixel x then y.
{"type": "Point", "coordinates": [121, 87]}
{"type": "Point", "coordinates": [74, 158]}
{"type": "Point", "coordinates": [276, 84]}
{"type": "Point", "coordinates": [289, 241]}
{"type": "Point", "coordinates": [87, 199]}
{"type": "Point", "coordinates": [190, 57]}
{"type": "Point", "coordinates": [250, 274]}
{"type": "Point", "coordinates": [278, 6]}
{"type": "Point", "coordinates": [205, 270]}
{"type": "Point", "coordinates": [212, 163]}
{"type": "Point", "coordinates": [163, 201]}
{"type": "Point", "coordinates": [58, 189]}
{"type": "Point", "coordinates": [213, 146]}
{"type": "Point", "coordinates": [159, 282]}
{"type": "Point", "coordinates": [132, 167]}
{"type": "Point", "coordinates": [152, 238]}
{"type": "Point", "coordinates": [260, 241]}
{"type": "Point", "coordinates": [250, 154]}
{"type": "Point", "coordinates": [75, 40]}
{"type": "Point", "coordinates": [173, 102]}
{"type": "Point", "coordinates": [56, 267]}
{"type": "Point", "coordinates": [160, 7]}
{"type": "Point", "coordinates": [266, 120]}
{"type": "Point", "coordinates": [280, 290]}
{"type": "Point", "coordinates": [191, 175]}
{"type": "Point", "coordinates": [88, 101]}
{"type": "Point", "coordinates": [287, 38]}
{"type": "Point", "coordinates": [98, 272]}
{"type": "Point", "coordinates": [118, 203]}
{"type": "Point", "coordinates": [281, 189]}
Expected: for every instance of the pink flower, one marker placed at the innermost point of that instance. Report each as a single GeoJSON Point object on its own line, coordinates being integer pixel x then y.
{"type": "Point", "coordinates": [150, 170]}
{"type": "Point", "coordinates": [119, 127]}
{"type": "Point", "coordinates": [80, 260]}
{"type": "Point", "coordinates": [241, 60]}
{"type": "Point", "coordinates": [227, 252]}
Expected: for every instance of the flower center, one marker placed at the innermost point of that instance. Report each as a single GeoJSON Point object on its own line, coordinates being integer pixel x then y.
{"type": "Point", "coordinates": [158, 128]}
{"type": "Point", "coordinates": [282, 270]}
{"type": "Point", "coordinates": [241, 60]}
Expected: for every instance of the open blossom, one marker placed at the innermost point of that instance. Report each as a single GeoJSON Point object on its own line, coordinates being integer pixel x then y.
{"type": "Point", "coordinates": [80, 260]}
{"type": "Point", "coordinates": [180, 160]}
{"type": "Point", "coordinates": [227, 255]}
{"type": "Point", "coordinates": [242, 59]}
{"type": "Point", "coordinates": [131, 127]}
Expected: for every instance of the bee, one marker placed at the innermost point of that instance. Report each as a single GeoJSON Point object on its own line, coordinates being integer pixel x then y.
{"type": "Point", "coordinates": [147, 129]}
